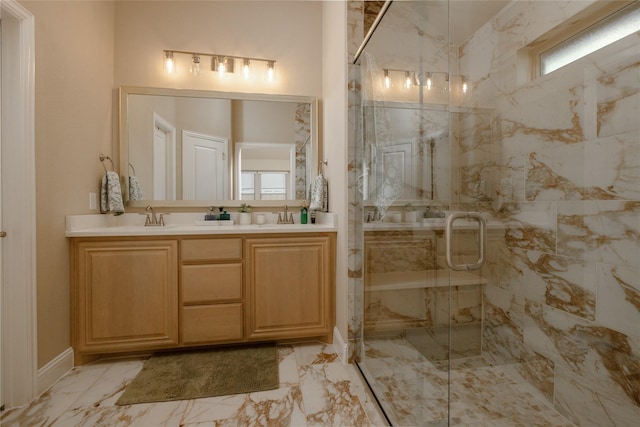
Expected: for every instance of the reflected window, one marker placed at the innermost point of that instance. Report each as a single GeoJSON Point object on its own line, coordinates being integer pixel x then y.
{"type": "Point", "coordinates": [266, 171]}
{"type": "Point", "coordinates": [261, 185]}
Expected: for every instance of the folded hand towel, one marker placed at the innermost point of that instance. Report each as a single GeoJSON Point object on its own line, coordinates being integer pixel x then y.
{"type": "Point", "coordinates": [319, 195]}
{"type": "Point", "coordinates": [135, 190]}
{"type": "Point", "coordinates": [111, 194]}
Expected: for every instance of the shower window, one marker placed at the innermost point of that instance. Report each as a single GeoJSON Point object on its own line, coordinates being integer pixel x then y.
{"type": "Point", "coordinates": [594, 33]}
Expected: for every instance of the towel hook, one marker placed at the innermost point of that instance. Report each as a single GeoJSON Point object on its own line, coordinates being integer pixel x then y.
{"type": "Point", "coordinates": [103, 158]}
{"type": "Point", "coordinates": [322, 163]}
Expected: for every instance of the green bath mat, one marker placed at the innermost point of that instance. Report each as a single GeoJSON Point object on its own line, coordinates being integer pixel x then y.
{"type": "Point", "coordinates": [198, 374]}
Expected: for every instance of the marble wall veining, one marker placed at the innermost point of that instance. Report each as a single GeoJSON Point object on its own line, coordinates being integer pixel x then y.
{"type": "Point", "coordinates": [566, 290]}
{"type": "Point", "coordinates": [557, 159]}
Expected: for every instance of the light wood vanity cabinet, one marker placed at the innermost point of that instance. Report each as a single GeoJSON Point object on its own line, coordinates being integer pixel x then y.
{"type": "Point", "coordinates": [134, 294]}
{"type": "Point", "coordinates": [125, 295]}
{"type": "Point", "coordinates": [212, 296]}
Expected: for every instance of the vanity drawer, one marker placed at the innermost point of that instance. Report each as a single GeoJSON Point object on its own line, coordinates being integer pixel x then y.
{"type": "Point", "coordinates": [204, 323]}
{"type": "Point", "coordinates": [211, 249]}
{"type": "Point", "coordinates": [211, 282]}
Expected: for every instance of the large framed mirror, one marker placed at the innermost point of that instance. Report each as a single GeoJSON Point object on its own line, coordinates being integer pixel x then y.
{"type": "Point", "coordinates": [201, 148]}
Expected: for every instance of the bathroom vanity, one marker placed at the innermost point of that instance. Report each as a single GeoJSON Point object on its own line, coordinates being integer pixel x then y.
{"type": "Point", "coordinates": [137, 288]}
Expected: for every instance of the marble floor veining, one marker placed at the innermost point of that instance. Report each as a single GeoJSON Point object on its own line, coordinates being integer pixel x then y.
{"type": "Point", "coordinates": [316, 389]}
{"type": "Point", "coordinates": [416, 391]}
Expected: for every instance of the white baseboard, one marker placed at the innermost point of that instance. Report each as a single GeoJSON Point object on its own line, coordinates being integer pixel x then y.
{"type": "Point", "coordinates": [340, 346]}
{"type": "Point", "coordinates": [55, 369]}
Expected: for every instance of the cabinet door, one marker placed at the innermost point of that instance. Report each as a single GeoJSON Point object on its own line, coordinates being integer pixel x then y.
{"type": "Point", "coordinates": [126, 295]}
{"type": "Point", "coordinates": [289, 287]}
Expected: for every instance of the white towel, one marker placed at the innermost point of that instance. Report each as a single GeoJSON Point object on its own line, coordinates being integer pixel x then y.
{"type": "Point", "coordinates": [319, 195]}
{"type": "Point", "coordinates": [111, 194]}
{"type": "Point", "coordinates": [135, 190]}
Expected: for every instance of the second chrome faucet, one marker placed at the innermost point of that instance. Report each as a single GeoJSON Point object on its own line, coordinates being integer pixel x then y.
{"type": "Point", "coordinates": [287, 218]}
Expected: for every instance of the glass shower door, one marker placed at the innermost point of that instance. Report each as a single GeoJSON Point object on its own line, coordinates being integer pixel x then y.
{"type": "Point", "coordinates": [407, 190]}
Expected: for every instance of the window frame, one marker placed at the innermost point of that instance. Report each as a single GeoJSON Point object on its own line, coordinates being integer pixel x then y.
{"type": "Point", "coordinates": [577, 24]}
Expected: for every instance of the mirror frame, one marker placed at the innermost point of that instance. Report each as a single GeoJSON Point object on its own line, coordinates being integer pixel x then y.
{"type": "Point", "coordinates": [123, 146]}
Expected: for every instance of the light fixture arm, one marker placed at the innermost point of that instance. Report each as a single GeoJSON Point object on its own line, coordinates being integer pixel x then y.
{"type": "Point", "coordinates": [213, 55]}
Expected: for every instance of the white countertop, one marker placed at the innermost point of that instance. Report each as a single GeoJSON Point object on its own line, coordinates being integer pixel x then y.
{"type": "Point", "coordinates": [132, 224]}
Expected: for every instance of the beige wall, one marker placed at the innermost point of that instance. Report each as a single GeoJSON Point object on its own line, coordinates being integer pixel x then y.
{"type": "Point", "coordinates": [85, 50]}
{"type": "Point", "coordinates": [74, 82]}
{"type": "Point", "coordinates": [289, 32]}
{"type": "Point", "coordinates": [334, 112]}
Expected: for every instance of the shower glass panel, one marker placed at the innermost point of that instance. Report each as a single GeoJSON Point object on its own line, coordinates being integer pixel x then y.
{"type": "Point", "coordinates": [431, 349]}
{"type": "Point", "coordinates": [406, 188]}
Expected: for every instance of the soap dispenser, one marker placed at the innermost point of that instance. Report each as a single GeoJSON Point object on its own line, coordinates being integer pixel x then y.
{"type": "Point", "coordinates": [224, 216]}
{"type": "Point", "coordinates": [211, 215]}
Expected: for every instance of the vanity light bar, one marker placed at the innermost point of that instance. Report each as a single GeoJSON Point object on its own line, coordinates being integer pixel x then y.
{"type": "Point", "coordinates": [221, 64]}
{"type": "Point", "coordinates": [426, 79]}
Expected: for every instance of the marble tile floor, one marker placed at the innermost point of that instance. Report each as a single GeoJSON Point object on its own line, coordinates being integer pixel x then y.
{"type": "Point", "coordinates": [316, 389]}
{"type": "Point", "coordinates": [413, 391]}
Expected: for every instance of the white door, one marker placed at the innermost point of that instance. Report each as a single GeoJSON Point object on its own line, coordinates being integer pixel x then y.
{"type": "Point", "coordinates": [18, 375]}
{"type": "Point", "coordinates": [204, 167]}
{"type": "Point", "coordinates": [1, 235]}
{"type": "Point", "coordinates": [164, 159]}
{"type": "Point", "coordinates": [159, 164]}
{"type": "Point", "coordinates": [394, 171]}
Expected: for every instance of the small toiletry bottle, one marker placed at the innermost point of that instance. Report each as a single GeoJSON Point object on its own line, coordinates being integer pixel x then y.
{"type": "Point", "coordinates": [211, 215]}
{"type": "Point", "coordinates": [224, 216]}
{"type": "Point", "coordinates": [304, 213]}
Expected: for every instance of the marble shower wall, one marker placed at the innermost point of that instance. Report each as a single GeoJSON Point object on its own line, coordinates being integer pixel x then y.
{"type": "Point", "coordinates": [562, 170]}
{"type": "Point", "coordinates": [355, 239]}
{"type": "Point", "coordinates": [566, 302]}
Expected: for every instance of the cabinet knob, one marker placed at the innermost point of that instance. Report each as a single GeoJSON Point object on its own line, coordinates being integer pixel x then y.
{"type": "Point", "coordinates": [3, 234]}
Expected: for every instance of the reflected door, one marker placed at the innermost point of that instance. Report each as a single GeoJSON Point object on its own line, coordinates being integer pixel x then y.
{"type": "Point", "coordinates": [393, 168]}
{"type": "Point", "coordinates": [203, 166]}
{"type": "Point", "coordinates": [164, 163]}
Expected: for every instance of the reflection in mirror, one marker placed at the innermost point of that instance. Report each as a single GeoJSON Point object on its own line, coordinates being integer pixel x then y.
{"type": "Point", "coordinates": [403, 161]}
{"type": "Point", "coordinates": [184, 147]}
{"type": "Point", "coordinates": [264, 171]}
{"type": "Point", "coordinates": [409, 156]}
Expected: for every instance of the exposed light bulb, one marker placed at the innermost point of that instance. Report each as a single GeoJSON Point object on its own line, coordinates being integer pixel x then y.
{"type": "Point", "coordinates": [169, 63]}
{"type": "Point", "coordinates": [271, 70]}
{"type": "Point", "coordinates": [222, 66]}
{"type": "Point", "coordinates": [195, 64]}
{"type": "Point", "coordinates": [387, 79]}
{"type": "Point", "coordinates": [429, 81]}
{"type": "Point", "coordinates": [245, 69]}
{"type": "Point", "coordinates": [407, 80]}
{"type": "Point", "coordinates": [465, 87]}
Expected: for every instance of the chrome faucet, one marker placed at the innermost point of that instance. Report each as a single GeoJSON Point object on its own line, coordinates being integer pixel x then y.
{"type": "Point", "coordinates": [287, 218]}
{"type": "Point", "coordinates": [152, 219]}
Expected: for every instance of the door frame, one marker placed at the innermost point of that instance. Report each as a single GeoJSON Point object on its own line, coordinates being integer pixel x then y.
{"type": "Point", "coordinates": [19, 326]}
{"type": "Point", "coordinates": [170, 155]}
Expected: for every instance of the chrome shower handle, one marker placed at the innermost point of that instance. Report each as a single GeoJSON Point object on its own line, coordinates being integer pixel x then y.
{"type": "Point", "coordinates": [482, 226]}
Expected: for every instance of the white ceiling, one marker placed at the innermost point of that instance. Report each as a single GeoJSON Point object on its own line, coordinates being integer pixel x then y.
{"type": "Point", "coordinates": [467, 16]}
